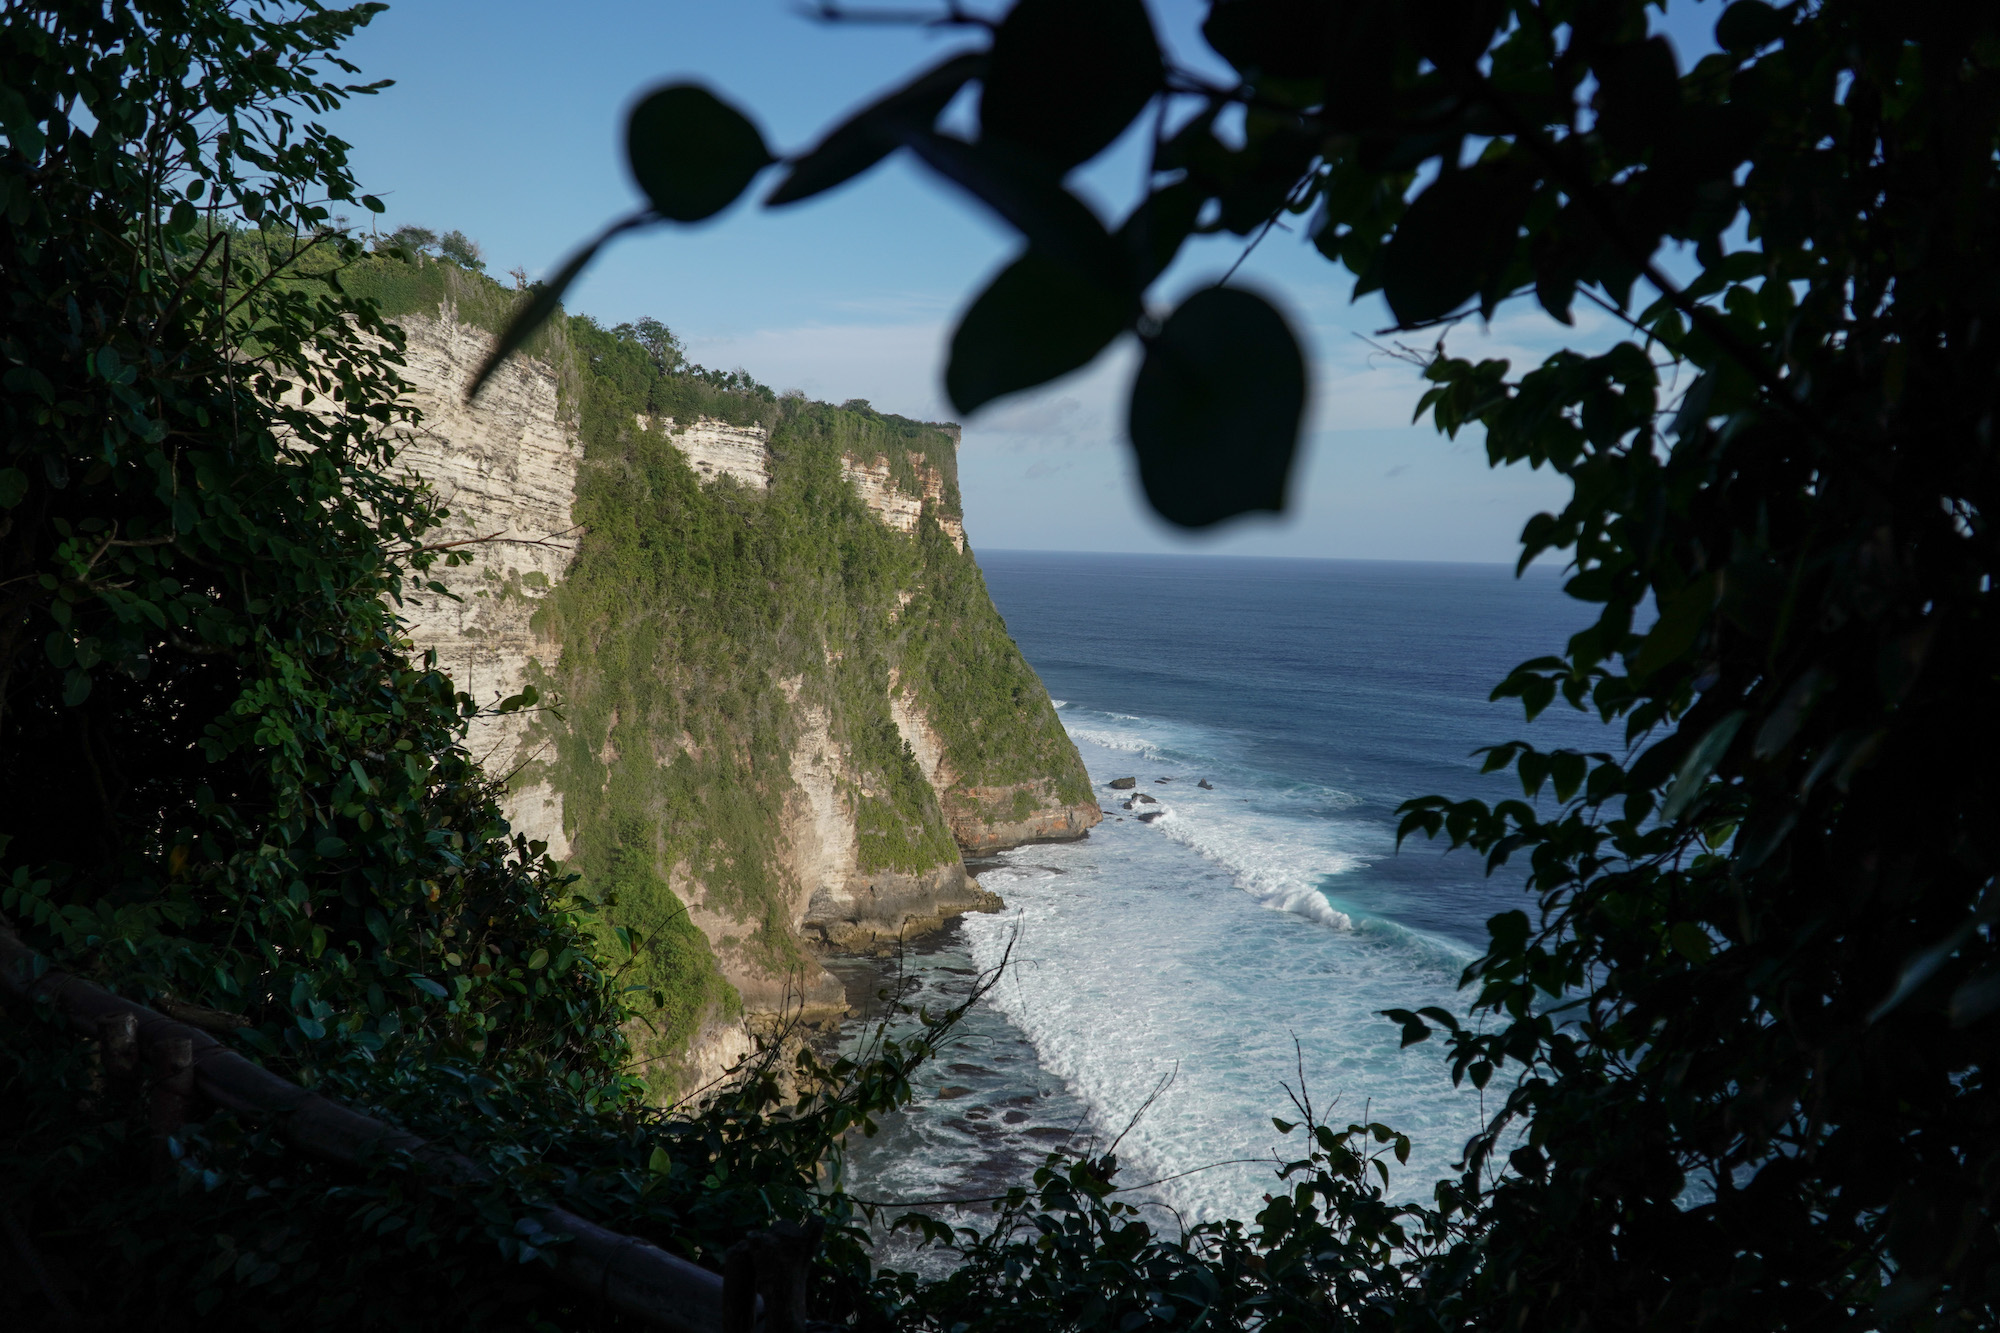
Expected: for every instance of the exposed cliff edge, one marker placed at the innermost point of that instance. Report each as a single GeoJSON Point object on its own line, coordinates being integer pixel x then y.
{"type": "Point", "coordinates": [788, 708]}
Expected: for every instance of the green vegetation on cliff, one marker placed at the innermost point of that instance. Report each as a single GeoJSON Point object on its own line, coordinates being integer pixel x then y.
{"type": "Point", "coordinates": [709, 630]}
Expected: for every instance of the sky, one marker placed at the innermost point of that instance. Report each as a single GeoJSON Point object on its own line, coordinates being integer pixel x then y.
{"type": "Point", "coordinates": [504, 122]}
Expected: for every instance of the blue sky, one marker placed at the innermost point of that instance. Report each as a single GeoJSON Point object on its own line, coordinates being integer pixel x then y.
{"type": "Point", "coordinates": [504, 122]}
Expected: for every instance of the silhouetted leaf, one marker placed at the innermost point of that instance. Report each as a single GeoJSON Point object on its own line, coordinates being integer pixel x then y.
{"type": "Point", "coordinates": [1701, 762]}
{"type": "Point", "coordinates": [1747, 25]}
{"type": "Point", "coordinates": [1216, 408]}
{"type": "Point", "coordinates": [1455, 240]}
{"type": "Point", "coordinates": [1288, 38]}
{"type": "Point", "coordinates": [1067, 76]}
{"type": "Point", "coordinates": [1784, 721]}
{"type": "Point", "coordinates": [547, 296]}
{"type": "Point", "coordinates": [1568, 768]}
{"type": "Point", "coordinates": [1038, 319]}
{"type": "Point", "coordinates": [1691, 942]}
{"type": "Point", "coordinates": [1681, 621]}
{"type": "Point", "coordinates": [1153, 234]}
{"type": "Point", "coordinates": [1923, 965]}
{"type": "Point", "coordinates": [1020, 188]}
{"type": "Point", "coordinates": [1975, 999]}
{"type": "Point", "coordinates": [1638, 93]}
{"type": "Point", "coordinates": [873, 133]}
{"type": "Point", "coordinates": [691, 152]}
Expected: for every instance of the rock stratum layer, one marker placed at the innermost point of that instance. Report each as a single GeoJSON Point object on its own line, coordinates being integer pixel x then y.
{"type": "Point", "coordinates": [786, 706]}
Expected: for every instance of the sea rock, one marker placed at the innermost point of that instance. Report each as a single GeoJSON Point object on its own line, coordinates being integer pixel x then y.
{"type": "Point", "coordinates": [1163, 779]}
{"type": "Point", "coordinates": [1123, 784]}
{"type": "Point", "coordinates": [1205, 785]}
{"type": "Point", "coordinates": [1149, 816]}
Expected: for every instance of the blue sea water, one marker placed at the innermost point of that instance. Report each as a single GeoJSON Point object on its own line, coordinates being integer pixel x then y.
{"type": "Point", "coordinates": [1209, 963]}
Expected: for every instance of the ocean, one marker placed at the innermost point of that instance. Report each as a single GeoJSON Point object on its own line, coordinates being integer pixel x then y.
{"type": "Point", "coordinates": [1173, 983]}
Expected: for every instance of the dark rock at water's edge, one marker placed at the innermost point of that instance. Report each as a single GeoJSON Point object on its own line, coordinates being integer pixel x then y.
{"type": "Point", "coordinates": [983, 819]}
{"type": "Point", "coordinates": [979, 865]}
{"type": "Point", "coordinates": [1163, 779]}
{"type": "Point", "coordinates": [874, 914]}
{"type": "Point", "coordinates": [1150, 815]}
{"type": "Point", "coordinates": [1205, 785]}
{"type": "Point", "coordinates": [1123, 784]}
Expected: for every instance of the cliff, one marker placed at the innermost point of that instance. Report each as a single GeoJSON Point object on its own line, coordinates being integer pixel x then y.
{"type": "Point", "coordinates": [786, 708]}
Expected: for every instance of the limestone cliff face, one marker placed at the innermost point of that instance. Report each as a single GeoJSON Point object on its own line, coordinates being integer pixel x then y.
{"type": "Point", "coordinates": [990, 818]}
{"type": "Point", "coordinates": [507, 471]}
{"type": "Point", "coordinates": [787, 706]}
{"type": "Point", "coordinates": [718, 449]}
{"type": "Point", "coordinates": [876, 484]}
{"type": "Point", "coordinates": [845, 907]}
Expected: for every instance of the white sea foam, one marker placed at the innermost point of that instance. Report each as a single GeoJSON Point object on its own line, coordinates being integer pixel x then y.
{"type": "Point", "coordinates": [1137, 964]}
{"type": "Point", "coordinates": [1279, 862]}
{"type": "Point", "coordinates": [1143, 952]}
{"type": "Point", "coordinates": [1113, 740]}
{"type": "Point", "coordinates": [1276, 842]}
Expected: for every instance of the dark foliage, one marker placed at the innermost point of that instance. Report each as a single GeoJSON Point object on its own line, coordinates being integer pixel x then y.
{"type": "Point", "coordinates": [230, 792]}
{"type": "Point", "coordinates": [1743, 1031]}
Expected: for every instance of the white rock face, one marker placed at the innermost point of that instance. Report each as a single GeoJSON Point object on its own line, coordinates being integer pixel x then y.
{"type": "Point", "coordinates": [506, 467]}
{"type": "Point", "coordinates": [823, 847]}
{"type": "Point", "coordinates": [895, 506]}
{"type": "Point", "coordinates": [717, 449]}
{"type": "Point", "coordinates": [919, 735]}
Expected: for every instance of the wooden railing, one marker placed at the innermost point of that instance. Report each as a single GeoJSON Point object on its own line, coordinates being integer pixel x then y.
{"type": "Point", "coordinates": [763, 1284]}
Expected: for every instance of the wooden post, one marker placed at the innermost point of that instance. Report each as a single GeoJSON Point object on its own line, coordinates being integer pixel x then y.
{"type": "Point", "coordinates": [171, 1094]}
{"type": "Point", "coordinates": [118, 1040]}
{"type": "Point", "coordinates": [739, 1287]}
{"type": "Point", "coordinates": [772, 1265]}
